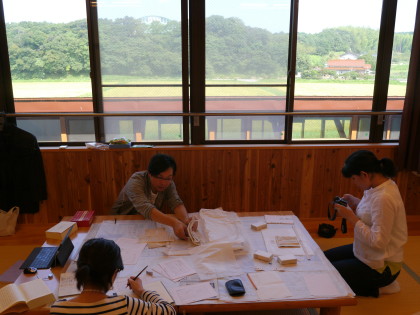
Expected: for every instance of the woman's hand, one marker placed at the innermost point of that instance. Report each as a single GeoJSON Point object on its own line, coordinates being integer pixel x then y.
{"type": "Point", "coordinates": [351, 200]}
{"type": "Point", "coordinates": [135, 285]}
{"type": "Point", "coordinates": [347, 213]}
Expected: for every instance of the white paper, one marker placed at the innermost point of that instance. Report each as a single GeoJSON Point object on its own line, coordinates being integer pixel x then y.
{"type": "Point", "coordinates": [157, 235]}
{"type": "Point", "coordinates": [320, 284]}
{"type": "Point", "coordinates": [263, 279]}
{"type": "Point", "coordinates": [187, 294]}
{"type": "Point", "coordinates": [215, 260]}
{"type": "Point", "coordinates": [273, 292]}
{"type": "Point", "coordinates": [131, 250]}
{"type": "Point", "coordinates": [68, 285]}
{"type": "Point", "coordinates": [160, 289]}
{"type": "Point", "coordinates": [277, 219]}
{"type": "Point", "coordinates": [176, 268]}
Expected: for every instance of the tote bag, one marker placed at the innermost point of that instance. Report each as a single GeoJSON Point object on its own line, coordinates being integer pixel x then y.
{"type": "Point", "coordinates": [8, 221]}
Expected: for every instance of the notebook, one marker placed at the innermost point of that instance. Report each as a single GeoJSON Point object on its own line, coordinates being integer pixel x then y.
{"type": "Point", "coordinates": [46, 257]}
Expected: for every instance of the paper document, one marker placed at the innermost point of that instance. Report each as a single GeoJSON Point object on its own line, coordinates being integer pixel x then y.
{"type": "Point", "coordinates": [131, 250]}
{"type": "Point", "coordinates": [157, 235]}
{"type": "Point", "coordinates": [187, 294]}
{"type": "Point", "coordinates": [264, 278]}
{"type": "Point", "coordinates": [277, 219]}
{"type": "Point", "coordinates": [160, 289]}
{"type": "Point", "coordinates": [68, 285]}
{"type": "Point", "coordinates": [174, 269]}
{"type": "Point", "coordinates": [269, 285]}
{"type": "Point", "coordinates": [273, 292]}
{"type": "Point", "coordinates": [320, 284]}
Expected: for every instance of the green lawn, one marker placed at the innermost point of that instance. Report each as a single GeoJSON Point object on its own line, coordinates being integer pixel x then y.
{"type": "Point", "coordinates": [32, 89]}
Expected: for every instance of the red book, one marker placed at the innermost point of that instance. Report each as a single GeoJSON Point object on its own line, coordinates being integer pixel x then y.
{"type": "Point", "coordinates": [83, 218]}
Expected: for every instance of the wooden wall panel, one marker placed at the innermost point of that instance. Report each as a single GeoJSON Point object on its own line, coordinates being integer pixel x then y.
{"type": "Point", "coordinates": [302, 179]}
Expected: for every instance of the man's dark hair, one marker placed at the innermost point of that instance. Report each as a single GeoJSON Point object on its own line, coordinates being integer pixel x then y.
{"type": "Point", "coordinates": [99, 258]}
{"type": "Point", "coordinates": [160, 163]}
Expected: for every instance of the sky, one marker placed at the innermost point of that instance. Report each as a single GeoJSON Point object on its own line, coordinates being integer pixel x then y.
{"type": "Point", "coordinates": [273, 15]}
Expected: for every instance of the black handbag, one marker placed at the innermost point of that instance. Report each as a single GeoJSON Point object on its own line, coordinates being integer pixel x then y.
{"type": "Point", "coordinates": [326, 230]}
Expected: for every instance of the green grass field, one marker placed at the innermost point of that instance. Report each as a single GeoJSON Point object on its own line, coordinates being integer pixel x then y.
{"type": "Point", "coordinates": [227, 128]}
{"type": "Point", "coordinates": [54, 89]}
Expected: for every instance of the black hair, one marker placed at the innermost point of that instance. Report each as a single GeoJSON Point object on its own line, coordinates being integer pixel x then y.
{"type": "Point", "coordinates": [366, 161]}
{"type": "Point", "coordinates": [99, 258]}
{"type": "Point", "coordinates": [160, 163]}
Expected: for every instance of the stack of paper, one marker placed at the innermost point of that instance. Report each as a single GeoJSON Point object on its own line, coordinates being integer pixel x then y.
{"type": "Point", "coordinates": [287, 241]}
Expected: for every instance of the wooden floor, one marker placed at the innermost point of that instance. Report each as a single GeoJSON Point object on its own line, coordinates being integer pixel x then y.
{"type": "Point", "coordinates": [406, 302]}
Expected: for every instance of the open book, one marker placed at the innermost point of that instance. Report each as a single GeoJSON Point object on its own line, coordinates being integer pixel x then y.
{"type": "Point", "coordinates": [22, 297]}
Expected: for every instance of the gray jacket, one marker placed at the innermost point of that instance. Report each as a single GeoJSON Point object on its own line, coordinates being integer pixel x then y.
{"type": "Point", "coordinates": [135, 197]}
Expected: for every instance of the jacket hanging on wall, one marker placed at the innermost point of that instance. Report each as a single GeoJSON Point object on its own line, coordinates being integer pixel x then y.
{"type": "Point", "coordinates": [22, 176]}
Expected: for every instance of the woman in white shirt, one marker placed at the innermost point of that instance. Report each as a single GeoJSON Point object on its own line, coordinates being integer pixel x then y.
{"type": "Point", "coordinates": [372, 263]}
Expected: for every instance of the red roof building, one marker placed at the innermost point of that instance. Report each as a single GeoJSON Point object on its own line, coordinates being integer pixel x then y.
{"type": "Point", "coordinates": [347, 65]}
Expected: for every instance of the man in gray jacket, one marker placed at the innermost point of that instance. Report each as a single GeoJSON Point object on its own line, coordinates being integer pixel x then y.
{"type": "Point", "coordinates": [146, 192]}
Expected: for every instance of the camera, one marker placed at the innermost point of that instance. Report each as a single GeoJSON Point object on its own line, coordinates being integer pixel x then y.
{"type": "Point", "coordinates": [333, 214]}
{"type": "Point", "coordinates": [340, 201]}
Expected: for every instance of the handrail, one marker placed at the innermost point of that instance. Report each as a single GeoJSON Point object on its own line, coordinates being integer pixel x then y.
{"type": "Point", "coordinates": [242, 113]}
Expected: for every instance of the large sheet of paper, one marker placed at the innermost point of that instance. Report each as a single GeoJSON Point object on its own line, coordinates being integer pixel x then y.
{"type": "Point", "coordinates": [131, 250]}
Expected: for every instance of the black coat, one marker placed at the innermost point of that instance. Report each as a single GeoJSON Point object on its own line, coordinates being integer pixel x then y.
{"type": "Point", "coordinates": [22, 176]}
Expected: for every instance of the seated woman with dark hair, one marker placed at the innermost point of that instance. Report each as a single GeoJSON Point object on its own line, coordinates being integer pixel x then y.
{"type": "Point", "coordinates": [97, 267]}
{"type": "Point", "coordinates": [372, 263]}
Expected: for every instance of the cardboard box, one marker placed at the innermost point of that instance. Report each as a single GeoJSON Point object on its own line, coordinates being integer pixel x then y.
{"type": "Point", "coordinates": [83, 218]}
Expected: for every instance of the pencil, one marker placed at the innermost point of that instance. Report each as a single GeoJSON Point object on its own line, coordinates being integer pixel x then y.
{"type": "Point", "coordinates": [135, 278]}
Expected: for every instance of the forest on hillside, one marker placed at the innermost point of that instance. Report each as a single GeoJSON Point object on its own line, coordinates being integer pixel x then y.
{"type": "Point", "coordinates": [129, 47]}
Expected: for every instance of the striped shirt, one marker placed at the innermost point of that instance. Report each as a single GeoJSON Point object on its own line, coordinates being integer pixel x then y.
{"type": "Point", "coordinates": [149, 303]}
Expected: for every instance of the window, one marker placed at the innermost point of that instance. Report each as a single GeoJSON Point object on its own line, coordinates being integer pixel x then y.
{"type": "Point", "coordinates": [335, 67]}
{"type": "Point", "coordinates": [49, 63]}
{"type": "Point", "coordinates": [206, 71]}
{"type": "Point", "coordinates": [403, 38]}
{"type": "Point", "coordinates": [246, 53]}
{"type": "Point", "coordinates": [141, 67]}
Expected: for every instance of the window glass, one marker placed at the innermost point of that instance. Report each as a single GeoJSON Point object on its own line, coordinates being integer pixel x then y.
{"type": "Point", "coordinates": [141, 65]}
{"type": "Point", "coordinates": [49, 61]}
{"type": "Point", "coordinates": [401, 52]}
{"type": "Point", "coordinates": [335, 66]}
{"type": "Point", "coordinates": [246, 67]}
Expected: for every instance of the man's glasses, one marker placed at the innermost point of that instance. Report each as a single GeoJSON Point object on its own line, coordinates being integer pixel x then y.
{"type": "Point", "coordinates": [162, 179]}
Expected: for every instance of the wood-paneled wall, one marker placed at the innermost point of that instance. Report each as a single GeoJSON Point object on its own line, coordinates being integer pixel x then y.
{"type": "Point", "coordinates": [299, 178]}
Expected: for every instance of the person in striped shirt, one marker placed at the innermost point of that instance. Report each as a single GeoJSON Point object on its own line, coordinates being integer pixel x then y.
{"type": "Point", "coordinates": [97, 267]}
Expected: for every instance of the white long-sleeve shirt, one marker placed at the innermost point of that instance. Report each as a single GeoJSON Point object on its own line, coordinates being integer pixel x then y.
{"type": "Point", "coordinates": [381, 232]}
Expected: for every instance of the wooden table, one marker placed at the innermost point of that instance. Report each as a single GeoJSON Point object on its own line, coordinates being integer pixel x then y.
{"type": "Point", "coordinates": [328, 306]}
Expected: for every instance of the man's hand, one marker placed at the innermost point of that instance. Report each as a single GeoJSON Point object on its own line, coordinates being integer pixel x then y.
{"type": "Point", "coordinates": [180, 230]}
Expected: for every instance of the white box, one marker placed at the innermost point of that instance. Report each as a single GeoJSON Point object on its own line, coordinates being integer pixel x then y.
{"type": "Point", "coordinates": [262, 255]}
{"type": "Point", "coordinates": [259, 226]}
{"type": "Point", "coordinates": [288, 259]}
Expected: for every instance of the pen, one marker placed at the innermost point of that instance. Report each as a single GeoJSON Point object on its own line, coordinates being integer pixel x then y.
{"type": "Point", "coordinates": [135, 278]}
